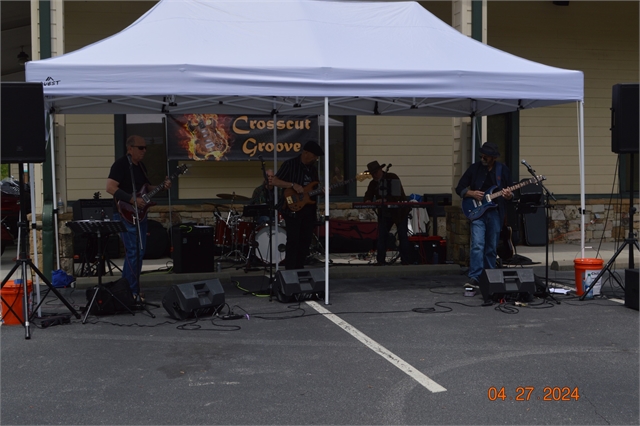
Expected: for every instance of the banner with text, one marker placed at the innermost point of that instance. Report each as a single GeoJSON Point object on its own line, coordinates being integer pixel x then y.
{"type": "Point", "coordinates": [221, 137]}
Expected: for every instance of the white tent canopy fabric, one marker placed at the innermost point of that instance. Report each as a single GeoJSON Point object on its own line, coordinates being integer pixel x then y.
{"type": "Point", "coordinates": [237, 56]}
{"type": "Point", "coordinates": [299, 57]}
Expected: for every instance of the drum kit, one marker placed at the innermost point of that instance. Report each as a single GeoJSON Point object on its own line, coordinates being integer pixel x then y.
{"type": "Point", "coordinates": [244, 237]}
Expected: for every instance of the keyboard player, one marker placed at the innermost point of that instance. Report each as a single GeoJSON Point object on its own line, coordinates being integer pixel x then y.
{"type": "Point", "coordinates": [386, 187]}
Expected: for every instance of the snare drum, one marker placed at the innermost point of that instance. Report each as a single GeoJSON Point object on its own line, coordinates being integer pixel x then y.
{"type": "Point", "coordinates": [278, 240]}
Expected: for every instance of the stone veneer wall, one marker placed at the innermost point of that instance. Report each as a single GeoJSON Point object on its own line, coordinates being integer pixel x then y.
{"type": "Point", "coordinates": [602, 220]}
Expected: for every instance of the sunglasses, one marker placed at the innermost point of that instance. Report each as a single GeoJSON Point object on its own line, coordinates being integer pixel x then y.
{"type": "Point", "coordinates": [141, 148]}
{"type": "Point", "coordinates": [485, 157]}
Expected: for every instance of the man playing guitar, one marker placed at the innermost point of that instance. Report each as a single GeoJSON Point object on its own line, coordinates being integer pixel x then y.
{"type": "Point", "coordinates": [119, 185]}
{"type": "Point", "coordinates": [296, 173]}
{"type": "Point", "coordinates": [480, 177]}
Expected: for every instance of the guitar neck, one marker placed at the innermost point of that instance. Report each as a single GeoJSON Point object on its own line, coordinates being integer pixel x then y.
{"type": "Point", "coordinates": [514, 187]}
{"type": "Point", "coordinates": [332, 186]}
{"type": "Point", "coordinates": [153, 192]}
{"type": "Point", "coordinates": [160, 187]}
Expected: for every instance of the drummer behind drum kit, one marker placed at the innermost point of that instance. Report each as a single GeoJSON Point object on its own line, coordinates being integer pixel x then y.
{"type": "Point", "coordinates": [240, 237]}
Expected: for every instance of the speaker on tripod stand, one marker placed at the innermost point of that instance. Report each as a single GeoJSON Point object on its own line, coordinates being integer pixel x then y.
{"type": "Point", "coordinates": [625, 136]}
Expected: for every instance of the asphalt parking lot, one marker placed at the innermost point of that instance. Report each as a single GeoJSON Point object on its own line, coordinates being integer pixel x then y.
{"type": "Point", "coordinates": [404, 350]}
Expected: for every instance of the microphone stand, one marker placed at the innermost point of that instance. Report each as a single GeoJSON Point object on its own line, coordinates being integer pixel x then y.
{"type": "Point", "coordinates": [547, 205]}
{"type": "Point", "coordinates": [139, 303]}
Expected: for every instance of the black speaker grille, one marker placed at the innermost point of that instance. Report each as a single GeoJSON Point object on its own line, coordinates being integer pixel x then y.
{"type": "Point", "coordinates": [624, 119]}
{"type": "Point", "coordinates": [23, 129]}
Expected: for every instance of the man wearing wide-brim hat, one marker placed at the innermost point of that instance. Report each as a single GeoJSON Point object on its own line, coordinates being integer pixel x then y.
{"type": "Point", "coordinates": [297, 173]}
{"type": "Point", "coordinates": [386, 187]}
{"type": "Point", "coordinates": [485, 230]}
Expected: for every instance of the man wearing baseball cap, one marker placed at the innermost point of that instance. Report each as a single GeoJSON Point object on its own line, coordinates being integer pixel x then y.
{"type": "Point", "coordinates": [485, 230]}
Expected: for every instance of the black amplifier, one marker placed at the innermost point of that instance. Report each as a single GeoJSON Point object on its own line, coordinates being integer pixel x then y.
{"type": "Point", "coordinates": [93, 209]}
{"type": "Point", "coordinates": [192, 248]}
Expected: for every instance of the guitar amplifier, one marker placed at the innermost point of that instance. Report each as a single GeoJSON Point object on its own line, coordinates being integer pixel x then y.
{"type": "Point", "coordinates": [192, 248]}
{"type": "Point", "coordinates": [93, 209]}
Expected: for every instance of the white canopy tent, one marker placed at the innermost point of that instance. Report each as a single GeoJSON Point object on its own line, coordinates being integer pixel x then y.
{"type": "Point", "coordinates": [300, 57]}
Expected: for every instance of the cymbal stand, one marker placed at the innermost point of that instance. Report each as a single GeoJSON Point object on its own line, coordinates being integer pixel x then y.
{"type": "Point", "coordinates": [234, 255]}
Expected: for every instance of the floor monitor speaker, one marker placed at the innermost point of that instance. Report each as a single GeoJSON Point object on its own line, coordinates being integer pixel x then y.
{"type": "Point", "coordinates": [23, 128]}
{"type": "Point", "coordinates": [631, 293]}
{"type": "Point", "coordinates": [496, 283]}
{"type": "Point", "coordinates": [295, 284]}
{"type": "Point", "coordinates": [624, 119]}
{"type": "Point", "coordinates": [192, 249]}
{"type": "Point", "coordinates": [197, 299]}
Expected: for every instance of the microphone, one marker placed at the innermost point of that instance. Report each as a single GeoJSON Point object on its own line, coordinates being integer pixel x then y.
{"type": "Point", "coordinates": [260, 157]}
{"type": "Point", "coordinates": [129, 158]}
{"type": "Point", "coordinates": [526, 165]}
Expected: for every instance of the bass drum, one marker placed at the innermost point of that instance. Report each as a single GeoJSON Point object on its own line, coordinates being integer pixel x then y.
{"type": "Point", "coordinates": [278, 244]}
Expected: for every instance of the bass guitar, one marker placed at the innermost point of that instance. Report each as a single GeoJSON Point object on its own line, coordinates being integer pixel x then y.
{"type": "Point", "coordinates": [295, 201]}
{"type": "Point", "coordinates": [474, 209]}
{"type": "Point", "coordinates": [128, 211]}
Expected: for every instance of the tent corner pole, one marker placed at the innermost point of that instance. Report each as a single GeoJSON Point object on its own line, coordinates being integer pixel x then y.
{"type": "Point", "coordinates": [326, 200]}
{"type": "Point", "coordinates": [581, 166]}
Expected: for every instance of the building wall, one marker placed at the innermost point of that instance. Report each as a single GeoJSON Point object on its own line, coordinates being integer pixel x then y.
{"type": "Point", "coordinates": [88, 139]}
{"type": "Point", "coordinates": [598, 38]}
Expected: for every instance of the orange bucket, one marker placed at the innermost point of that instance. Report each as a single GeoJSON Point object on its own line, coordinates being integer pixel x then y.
{"type": "Point", "coordinates": [583, 265]}
{"type": "Point", "coordinates": [12, 296]}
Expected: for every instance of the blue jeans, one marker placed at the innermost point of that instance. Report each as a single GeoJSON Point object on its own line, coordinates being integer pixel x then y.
{"type": "Point", "coordinates": [133, 261]}
{"type": "Point", "coordinates": [484, 238]}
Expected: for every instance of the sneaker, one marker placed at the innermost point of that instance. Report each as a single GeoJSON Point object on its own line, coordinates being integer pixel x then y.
{"type": "Point", "coordinates": [472, 283]}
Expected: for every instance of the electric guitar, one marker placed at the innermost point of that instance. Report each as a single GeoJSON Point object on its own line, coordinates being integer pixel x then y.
{"type": "Point", "coordinates": [128, 211]}
{"type": "Point", "coordinates": [294, 201]}
{"type": "Point", "coordinates": [474, 209]}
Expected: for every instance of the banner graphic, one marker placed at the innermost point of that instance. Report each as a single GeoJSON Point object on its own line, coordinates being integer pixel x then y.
{"type": "Point", "coordinates": [220, 137]}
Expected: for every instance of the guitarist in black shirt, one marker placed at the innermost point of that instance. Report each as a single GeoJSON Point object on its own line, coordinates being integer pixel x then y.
{"type": "Point", "coordinates": [120, 186]}
{"type": "Point", "coordinates": [296, 173]}
{"type": "Point", "coordinates": [484, 230]}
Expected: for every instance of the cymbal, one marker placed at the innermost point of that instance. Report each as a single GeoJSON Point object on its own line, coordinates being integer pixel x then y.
{"type": "Point", "coordinates": [233, 196]}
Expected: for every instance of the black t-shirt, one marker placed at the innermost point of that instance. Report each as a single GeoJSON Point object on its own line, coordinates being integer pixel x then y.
{"type": "Point", "coordinates": [121, 174]}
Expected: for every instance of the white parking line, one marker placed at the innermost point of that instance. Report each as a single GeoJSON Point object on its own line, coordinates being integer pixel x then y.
{"type": "Point", "coordinates": [379, 349]}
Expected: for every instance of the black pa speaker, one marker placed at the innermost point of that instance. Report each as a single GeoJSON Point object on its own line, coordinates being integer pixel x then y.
{"type": "Point", "coordinates": [197, 299]}
{"type": "Point", "coordinates": [23, 127]}
{"type": "Point", "coordinates": [295, 284]}
{"type": "Point", "coordinates": [624, 119]}
{"type": "Point", "coordinates": [192, 249]}
{"type": "Point", "coordinates": [631, 294]}
{"type": "Point", "coordinates": [496, 283]}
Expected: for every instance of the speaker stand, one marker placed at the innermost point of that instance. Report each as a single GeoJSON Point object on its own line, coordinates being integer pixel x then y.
{"type": "Point", "coordinates": [23, 262]}
{"type": "Point", "coordinates": [630, 241]}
